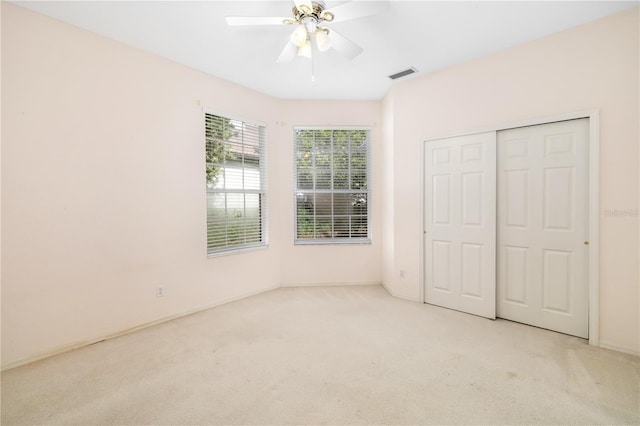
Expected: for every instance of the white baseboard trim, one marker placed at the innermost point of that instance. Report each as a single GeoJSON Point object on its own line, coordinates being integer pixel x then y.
{"type": "Point", "coordinates": [108, 336]}
{"type": "Point", "coordinates": [400, 296]}
{"type": "Point", "coordinates": [608, 345]}
{"type": "Point", "coordinates": [340, 284]}
{"type": "Point", "coordinates": [78, 345]}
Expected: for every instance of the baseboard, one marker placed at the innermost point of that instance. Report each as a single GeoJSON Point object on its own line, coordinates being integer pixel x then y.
{"type": "Point", "coordinates": [399, 296]}
{"type": "Point", "coordinates": [612, 346]}
{"type": "Point", "coordinates": [332, 284]}
{"type": "Point", "coordinates": [78, 345]}
{"type": "Point", "coordinates": [82, 344]}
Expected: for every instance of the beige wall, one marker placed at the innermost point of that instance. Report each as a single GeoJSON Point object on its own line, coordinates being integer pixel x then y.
{"type": "Point", "coordinates": [103, 189]}
{"type": "Point", "coordinates": [388, 225]}
{"type": "Point", "coordinates": [349, 264]}
{"type": "Point", "coordinates": [592, 66]}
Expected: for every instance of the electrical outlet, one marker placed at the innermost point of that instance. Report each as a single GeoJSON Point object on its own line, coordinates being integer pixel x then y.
{"type": "Point", "coordinates": [401, 273]}
{"type": "Point", "coordinates": [160, 290]}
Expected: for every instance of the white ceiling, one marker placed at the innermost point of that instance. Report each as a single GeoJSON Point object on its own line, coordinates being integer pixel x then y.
{"type": "Point", "coordinates": [428, 35]}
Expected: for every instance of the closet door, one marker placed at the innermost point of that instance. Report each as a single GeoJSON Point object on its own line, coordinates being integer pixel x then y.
{"type": "Point", "coordinates": [460, 223]}
{"type": "Point", "coordinates": [543, 226]}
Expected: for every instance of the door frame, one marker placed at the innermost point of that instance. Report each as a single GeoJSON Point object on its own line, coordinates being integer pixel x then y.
{"type": "Point", "coordinates": [594, 202]}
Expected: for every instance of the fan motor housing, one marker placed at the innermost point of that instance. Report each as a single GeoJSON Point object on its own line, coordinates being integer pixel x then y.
{"type": "Point", "coordinates": [317, 13]}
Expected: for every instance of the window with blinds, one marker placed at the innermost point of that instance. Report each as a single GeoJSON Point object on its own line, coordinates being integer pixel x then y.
{"type": "Point", "coordinates": [236, 184]}
{"type": "Point", "coordinates": [332, 189]}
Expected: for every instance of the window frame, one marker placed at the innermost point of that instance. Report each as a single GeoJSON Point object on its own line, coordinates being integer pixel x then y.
{"type": "Point", "coordinates": [340, 240]}
{"type": "Point", "coordinates": [263, 194]}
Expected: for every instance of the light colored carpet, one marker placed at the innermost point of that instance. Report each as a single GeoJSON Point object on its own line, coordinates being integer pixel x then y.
{"type": "Point", "coordinates": [328, 355]}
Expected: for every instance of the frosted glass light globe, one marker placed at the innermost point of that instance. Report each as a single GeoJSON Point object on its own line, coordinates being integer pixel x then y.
{"type": "Point", "coordinates": [305, 50]}
{"type": "Point", "coordinates": [299, 36]}
{"type": "Point", "coordinates": [323, 40]}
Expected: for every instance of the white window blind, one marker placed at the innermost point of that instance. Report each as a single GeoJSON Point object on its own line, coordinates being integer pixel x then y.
{"type": "Point", "coordinates": [332, 188]}
{"type": "Point", "coordinates": [236, 184]}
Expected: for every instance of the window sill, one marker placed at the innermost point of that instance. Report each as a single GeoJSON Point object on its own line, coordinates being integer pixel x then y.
{"type": "Point", "coordinates": [239, 250]}
{"type": "Point", "coordinates": [330, 241]}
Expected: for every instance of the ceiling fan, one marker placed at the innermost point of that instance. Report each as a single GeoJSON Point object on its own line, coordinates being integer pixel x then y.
{"type": "Point", "coordinates": [310, 19]}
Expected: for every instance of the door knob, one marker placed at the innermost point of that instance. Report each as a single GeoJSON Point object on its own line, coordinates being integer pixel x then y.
{"type": "Point", "coordinates": [586, 243]}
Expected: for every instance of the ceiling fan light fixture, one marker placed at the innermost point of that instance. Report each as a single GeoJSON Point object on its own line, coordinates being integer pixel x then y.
{"type": "Point", "coordinates": [308, 19]}
{"type": "Point", "coordinates": [305, 49]}
{"type": "Point", "coordinates": [322, 39]}
{"type": "Point", "coordinates": [304, 9]}
{"type": "Point", "coordinates": [299, 36]}
{"type": "Point", "coordinates": [326, 16]}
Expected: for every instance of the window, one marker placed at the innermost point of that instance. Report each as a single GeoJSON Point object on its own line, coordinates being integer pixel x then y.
{"type": "Point", "coordinates": [332, 188]}
{"type": "Point", "coordinates": [235, 175]}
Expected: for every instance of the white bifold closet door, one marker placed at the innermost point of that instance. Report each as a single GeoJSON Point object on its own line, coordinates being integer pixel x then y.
{"type": "Point", "coordinates": [543, 189]}
{"type": "Point", "coordinates": [460, 223]}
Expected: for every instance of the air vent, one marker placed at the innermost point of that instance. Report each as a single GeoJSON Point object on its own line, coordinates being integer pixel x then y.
{"type": "Point", "coordinates": [403, 73]}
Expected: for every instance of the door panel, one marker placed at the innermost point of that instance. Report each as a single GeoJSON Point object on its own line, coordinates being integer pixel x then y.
{"type": "Point", "coordinates": [442, 199]}
{"type": "Point", "coordinates": [441, 253]}
{"type": "Point", "coordinates": [472, 198]}
{"type": "Point", "coordinates": [460, 223]}
{"type": "Point", "coordinates": [556, 281]}
{"type": "Point", "coordinates": [558, 198]}
{"type": "Point", "coordinates": [542, 226]}
{"type": "Point", "coordinates": [472, 270]}
{"type": "Point", "coordinates": [517, 187]}
{"type": "Point", "coordinates": [516, 274]}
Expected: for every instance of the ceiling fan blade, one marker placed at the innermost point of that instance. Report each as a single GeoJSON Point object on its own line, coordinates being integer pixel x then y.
{"type": "Point", "coordinates": [254, 20]}
{"type": "Point", "coordinates": [343, 45]}
{"type": "Point", "coordinates": [289, 52]}
{"type": "Point", "coordinates": [358, 9]}
{"type": "Point", "coordinates": [300, 3]}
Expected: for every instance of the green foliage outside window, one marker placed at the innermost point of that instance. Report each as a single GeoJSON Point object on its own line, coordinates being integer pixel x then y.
{"type": "Point", "coordinates": [218, 131]}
